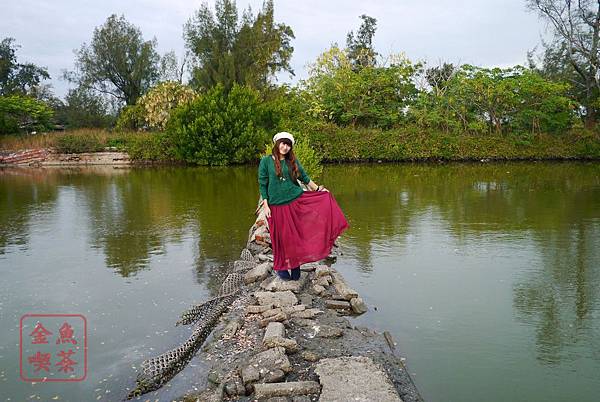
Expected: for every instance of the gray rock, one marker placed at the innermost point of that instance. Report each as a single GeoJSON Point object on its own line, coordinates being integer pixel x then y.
{"type": "Point", "coordinates": [277, 299]}
{"type": "Point", "coordinates": [338, 305]}
{"type": "Point", "coordinates": [302, 398]}
{"type": "Point", "coordinates": [322, 270]}
{"type": "Point", "coordinates": [327, 331]}
{"type": "Point", "coordinates": [303, 322]}
{"type": "Point", "coordinates": [250, 374]}
{"type": "Point", "coordinates": [286, 389]}
{"type": "Point", "coordinates": [308, 313]}
{"type": "Point", "coordinates": [276, 284]}
{"type": "Point", "coordinates": [309, 267]}
{"type": "Point", "coordinates": [258, 273]}
{"type": "Point", "coordinates": [345, 291]}
{"type": "Point", "coordinates": [269, 360]}
{"type": "Point", "coordinates": [274, 318]}
{"type": "Point", "coordinates": [274, 376]}
{"type": "Point", "coordinates": [213, 378]}
{"type": "Point", "coordinates": [258, 309]}
{"type": "Point", "coordinates": [274, 329]}
{"type": "Point", "coordinates": [242, 265]}
{"type": "Point", "coordinates": [362, 380]}
{"type": "Point", "coordinates": [318, 289]}
{"type": "Point", "coordinates": [322, 281]}
{"type": "Point", "coordinates": [358, 305]}
{"type": "Point", "coordinates": [271, 312]}
{"type": "Point", "coordinates": [306, 299]}
{"type": "Point", "coordinates": [265, 257]}
{"type": "Point", "coordinates": [278, 399]}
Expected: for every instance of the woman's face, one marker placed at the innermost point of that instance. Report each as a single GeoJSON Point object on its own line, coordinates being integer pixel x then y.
{"type": "Point", "coordinates": [284, 147]}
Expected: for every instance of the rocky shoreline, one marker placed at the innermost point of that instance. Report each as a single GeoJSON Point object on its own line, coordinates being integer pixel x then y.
{"type": "Point", "coordinates": [292, 340]}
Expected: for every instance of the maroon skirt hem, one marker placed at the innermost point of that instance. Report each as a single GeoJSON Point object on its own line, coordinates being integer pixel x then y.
{"type": "Point", "coordinates": [304, 230]}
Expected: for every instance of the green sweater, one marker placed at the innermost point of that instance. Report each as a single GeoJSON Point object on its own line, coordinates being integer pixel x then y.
{"type": "Point", "coordinates": [279, 190]}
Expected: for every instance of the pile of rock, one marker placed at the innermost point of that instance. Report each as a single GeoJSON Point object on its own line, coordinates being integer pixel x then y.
{"type": "Point", "coordinates": [297, 342]}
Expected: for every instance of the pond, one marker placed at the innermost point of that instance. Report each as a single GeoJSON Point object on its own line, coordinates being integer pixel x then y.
{"type": "Point", "coordinates": [487, 275]}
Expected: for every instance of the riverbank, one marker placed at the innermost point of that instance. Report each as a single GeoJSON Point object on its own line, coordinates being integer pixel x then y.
{"type": "Point", "coordinates": [285, 340]}
{"type": "Point", "coordinates": [335, 145]}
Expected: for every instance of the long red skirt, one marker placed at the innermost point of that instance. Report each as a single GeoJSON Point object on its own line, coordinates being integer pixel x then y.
{"type": "Point", "coordinates": [305, 229]}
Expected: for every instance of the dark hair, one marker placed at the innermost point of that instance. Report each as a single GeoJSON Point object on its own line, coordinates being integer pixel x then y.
{"type": "Point", "coordinates": [290, 158]}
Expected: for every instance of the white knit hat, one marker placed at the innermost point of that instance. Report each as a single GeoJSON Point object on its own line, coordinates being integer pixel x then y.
{"type": "Point", "coordinates": [282, 135]}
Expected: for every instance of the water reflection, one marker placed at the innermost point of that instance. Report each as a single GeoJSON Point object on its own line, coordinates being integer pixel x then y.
{"type": "Point", "coordinates": [555, 205]}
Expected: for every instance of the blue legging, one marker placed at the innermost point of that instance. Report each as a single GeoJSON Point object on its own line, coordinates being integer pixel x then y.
{"type": "Point", "coordinates": [284, 274]}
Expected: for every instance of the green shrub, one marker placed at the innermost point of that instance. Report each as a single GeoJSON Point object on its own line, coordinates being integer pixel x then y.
{"type": "Point", "coordinates": [19, 112]}
{"type": "Point", "coordinates": [131, 118]}
{"type": "Point", "coordinates": [73, 144]}
{"type": "Point", "coordinates": [154, 147]}
{"type": "Point", "coordinates": [220, 128]}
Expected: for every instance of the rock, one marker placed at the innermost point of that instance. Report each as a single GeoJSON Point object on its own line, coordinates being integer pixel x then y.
{"type": "Point", "coordinates": [309, 267]}
{"type": "Point", "coordinates": [358, 305]}
{"type": "Point", "coordinates": [278, 399]}
{"type": "Point", "coordinates": [269, 360]}
{"type": "Point", "coordinates": [338, 305]}
{"type": "Point", "coordinates": [213, 378]}
{"type": "Point", "coordinates": [363, 380]}
{"type": "Point", "coordinates": [322, 281]}
{"type": "Point", "coordinates": [258, 309]}
{"type": "Point", "coordinates": [306, 299]}
{"type": "Point", "coordinates": [274, 318]}
{"type": "Point", "coordinates": [250, 374]}
{"type": "Point", "coordinates": [327, 331]}
{"type": "Point", "coordinates": [274, 376]}
{"type": "Point", "coordinates": [322, 270]}
{"type": "Point", "coordinates": [302, 398]}
{"type": "Point", "coordinates": [242, 265]}
{"type": "Point", "coordinates": [274, 329]}
{"type": "Point", "coordinates": [231, 328]}
{"type": "Point", "coordinates": [265, 257]}
{"type": "Point", "coordinates": [234, 387]}
{"type": "Point", "coordinates": [318, 289]}
{"type": "Point", "coordinates": [286, 389]}
{"type": "Point", "coordinates": [346, 292]}
{"type": "Point", "coordinates": [272, 312]}
{"type": "Point", "coordinates": [276, 284]}
{"type": "Point", "coordinates": [290, 345]}
{"type": "Point", "coordinates": [293, 309]}
{"type": "Point", "coordinates": [310, 356]}
{"type": "Point", "coordinates": [258, 273]}
{"type": "Point", "coordinates": [308, 313]}
{"type": "Point", "coordinates": [277, 299]}
{"type": "Point", "coordinates": [303, 322]}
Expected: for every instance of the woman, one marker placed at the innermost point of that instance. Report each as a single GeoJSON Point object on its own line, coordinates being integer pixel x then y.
{"type": "Point", "coordinates": [303, 224]}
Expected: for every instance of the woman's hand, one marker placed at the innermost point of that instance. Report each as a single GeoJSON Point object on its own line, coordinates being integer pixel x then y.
{"type": "Point", "coordinates": [267, 211]}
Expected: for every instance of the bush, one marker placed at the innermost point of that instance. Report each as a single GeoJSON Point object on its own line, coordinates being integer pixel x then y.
{"type": "Point", "coordinates": [73, 144]}
{"type": "Point", "coordinates": [131, 118]}
{"type": "Point", "coordinates": [220, 128]}
{"type": "Point", "coordinates": [19, 112]}
{"type": "Point", "coordinates": [154, 147]}
{"type": "Point", "coordinates": [308, 156]}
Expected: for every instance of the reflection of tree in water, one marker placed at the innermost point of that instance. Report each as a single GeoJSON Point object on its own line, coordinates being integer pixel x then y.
{"type": "Point", "coordinates": [557, 205]}
{"type": "Point", "coordinates": [26, 196]}
{"type": "Point", "coordinates": [137, 214]}
{"type": "Point", "coordinates": [561, 298]}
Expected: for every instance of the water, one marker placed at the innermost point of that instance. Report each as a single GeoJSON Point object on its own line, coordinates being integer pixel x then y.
{"type": "Point", "coordinates": [486, 275]}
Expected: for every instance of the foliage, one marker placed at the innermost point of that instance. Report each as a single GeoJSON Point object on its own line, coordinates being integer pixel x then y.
{"type": "Point", "coordinates": [411, 143]}
{"type": "Point", "coordinates": [17, 78]}
{"type": "Point", "coordinates": [159, 102]}
{"type": "Point", "coordinates": [309, 157]}
{"type": "Point", "coordinates": [371, 96]}
{"type": "Point", "coordinates": [150, 147]}
{"type": "Point", "coordinates": [117, 62]}
{"type": "Point", "coordinates": [83, 108]}
{"type": "Point", "coordinates": [219, 128]}
{"type": "Point", "coordinates": [73, 144]}
{"type": "Point", "coordinates": [360, 47]}
{"type": "Point", "coordinates": [480, 100]}
{"type": "Point", "coordinates": [572, 55]}
{"type": "Point", "coordinates": [19, 112]}
{"type": "Point", "coordinates": [131, 117]}
{"type": "Point", "coordinates": [248, 53]}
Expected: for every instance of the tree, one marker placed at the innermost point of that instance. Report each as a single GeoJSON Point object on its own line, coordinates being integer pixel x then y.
{"type": "Point", "coordinates": [117, 62]}
{"type": "Point", "coordinates": [250, 52]}
{"type": "Point", "coordinates": [360, 47]}
{"type": "Point", "coordinates": [84, 108]}
{"type": "Point", "coordinates": [573, 55]}
{"type": "Point", "coordinates": [17, 78]}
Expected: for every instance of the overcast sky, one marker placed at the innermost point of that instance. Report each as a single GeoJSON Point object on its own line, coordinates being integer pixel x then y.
{"type": "Point", "coordinates": [481, 32]}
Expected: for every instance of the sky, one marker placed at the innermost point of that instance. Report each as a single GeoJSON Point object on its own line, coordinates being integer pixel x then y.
{"type": "Point", "coordinates": [488, 33]}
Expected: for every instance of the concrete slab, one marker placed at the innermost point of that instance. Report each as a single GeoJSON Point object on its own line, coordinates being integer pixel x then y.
{"type": "Point", "coordinates": [355, 378]}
